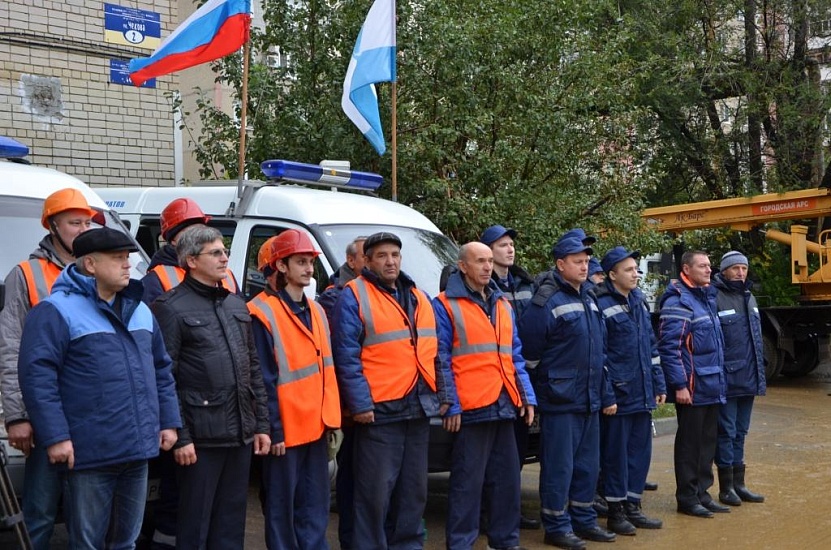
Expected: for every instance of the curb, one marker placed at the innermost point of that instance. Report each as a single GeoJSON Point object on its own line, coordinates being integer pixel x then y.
{"type": "Point", "coordinates": [665, 426]}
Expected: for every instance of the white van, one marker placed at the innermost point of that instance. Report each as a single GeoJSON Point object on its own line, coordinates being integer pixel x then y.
{"type": "Point", "coordinates": [333, 218]}
{"type": "Point", "coordinates": [23, 188]}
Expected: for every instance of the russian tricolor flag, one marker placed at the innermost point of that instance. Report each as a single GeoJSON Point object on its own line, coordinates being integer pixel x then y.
{"type": "Point", "coordinates": [215, 30]}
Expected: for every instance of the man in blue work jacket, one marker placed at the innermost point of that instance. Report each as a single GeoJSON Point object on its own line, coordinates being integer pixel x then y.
{"type": "Point", "coordinates": [638, 382]}
{"type": "Point", "coordinates": [562, 331]}
{"type": "Point", "coordinates": [691, 347]}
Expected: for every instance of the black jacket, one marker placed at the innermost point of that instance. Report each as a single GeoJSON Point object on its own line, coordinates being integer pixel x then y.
{"type": "Point", "coordinates": [208, 335]}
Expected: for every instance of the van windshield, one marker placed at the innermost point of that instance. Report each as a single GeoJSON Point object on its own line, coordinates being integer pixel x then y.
{"type": "Point", "coordinates": [423, 253]}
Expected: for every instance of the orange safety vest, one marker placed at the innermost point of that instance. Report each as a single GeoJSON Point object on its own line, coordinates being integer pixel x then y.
{"type": "Point", "coordinates": [307, 389]}
{"type": "Point", "coordinates": [393, 353]}
{"type": "Point", "coordinates": [171, 275]}
{"type": "Point", "coordinates": [482, 357]}
{"type": "Point", "coordinates": [40, 275]}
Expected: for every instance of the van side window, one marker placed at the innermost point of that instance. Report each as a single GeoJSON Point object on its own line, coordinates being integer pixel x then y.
{"type": "Point", "coordinates": [254, 280]}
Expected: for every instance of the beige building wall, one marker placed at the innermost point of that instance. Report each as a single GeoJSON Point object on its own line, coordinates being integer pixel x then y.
{"type": "Point", "coordinates": [57, 98]}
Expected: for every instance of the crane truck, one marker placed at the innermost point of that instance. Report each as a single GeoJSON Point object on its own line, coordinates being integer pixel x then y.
{"type": "Point", "coordinates": [793, 335]}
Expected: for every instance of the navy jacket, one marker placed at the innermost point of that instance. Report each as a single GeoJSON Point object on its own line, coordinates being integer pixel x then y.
{"type": "Point", "coordinates": [691, 344]}
{"type": "Point", "coordinates": [562, 331]}
{"type": "Point", "coordinates": [96, 375]}
{"type": "Point", "coordinates": [329, 297]}
{"type": "Point", "coordinates": [744, 357]}
{"type": "Point", "coordinates": [347, 340]}
{"type": "Point", "coordinates": [503, 408]}
{"type": "Point", "coordinates": [631, 349]}
{"type": "Point", "coordinates": [518, 288]}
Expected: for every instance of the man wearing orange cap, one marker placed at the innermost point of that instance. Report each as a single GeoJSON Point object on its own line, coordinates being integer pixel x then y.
{"type": "Point", "coordinates": [66, 214]}
{"type": "Point", "coordinates": [291, 334]}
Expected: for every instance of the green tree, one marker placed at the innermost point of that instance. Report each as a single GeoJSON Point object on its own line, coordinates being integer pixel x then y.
{"type": "Point", "coordinates": [548, 115]}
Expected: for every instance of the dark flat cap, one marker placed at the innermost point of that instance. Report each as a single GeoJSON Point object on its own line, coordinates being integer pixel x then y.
{"type": "Point", "coordinates": [617, 254]}
{"type": "Point", "coordinates": [496, 232]}
{"type": "Point", "coordinates": [103, 239]}
{"type": "Point", "coordinates": [378, 238]}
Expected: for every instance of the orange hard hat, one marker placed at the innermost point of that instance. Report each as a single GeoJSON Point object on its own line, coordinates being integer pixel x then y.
{"type": "Point", "coordinates": [63, 200]}
{"type": "Point", "coordinates": [289, 242]}
{"type": "Point", "coordinates": [264, 256]}
{"type": "Point", "coordinates": [176, 214]}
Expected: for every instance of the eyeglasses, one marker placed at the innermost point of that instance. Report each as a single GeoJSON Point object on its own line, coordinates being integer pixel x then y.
{"type": "Point", "coordinates": [216, 253]}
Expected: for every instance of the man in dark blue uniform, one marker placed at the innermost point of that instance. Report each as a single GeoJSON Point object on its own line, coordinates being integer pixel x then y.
{"type": "Point", "coordinates": [562, 331]}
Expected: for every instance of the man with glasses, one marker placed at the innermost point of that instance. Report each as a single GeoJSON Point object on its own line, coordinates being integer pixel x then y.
{"type": "Point", "coordinates": [208, 335]}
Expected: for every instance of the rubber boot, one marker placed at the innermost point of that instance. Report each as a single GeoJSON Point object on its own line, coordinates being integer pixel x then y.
{"type": "Point", "coordinates": [726, 494]}
{"type": "Point", "coordinates": [743, 492]}
{"type": "Point", "coordinates": [636, 517]}
{"type": "Point", "coordinates": [618, 522]}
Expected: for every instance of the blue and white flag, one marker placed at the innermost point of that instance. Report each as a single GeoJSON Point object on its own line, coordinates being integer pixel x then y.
{"type": "Point", "coordinates": [373, 60]}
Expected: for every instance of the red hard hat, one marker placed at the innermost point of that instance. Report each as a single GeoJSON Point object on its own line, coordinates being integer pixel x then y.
{"type": "Point", "coordinates": [289, 242]}
{"type": "Point", "coordinates": [177, 213]}
{"type": "Point", "coordinates": [63, 200]}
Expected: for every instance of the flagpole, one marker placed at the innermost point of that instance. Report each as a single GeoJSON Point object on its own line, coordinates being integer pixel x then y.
{"type": "Point", "coordinates": [394, 144]}
{"type": "Point", "coordinates": [243, 110]}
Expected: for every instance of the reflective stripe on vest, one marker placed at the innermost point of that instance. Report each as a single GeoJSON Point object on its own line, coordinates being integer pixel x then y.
{"type": "Point", "coordinates": [40, 275]}
{"type": "Point", "coordinates": [392, 355]}
{"type": "Point", "coordinates": [307, 390]}
{"type": "Point", "coordinates": [482, 355]}
{"type": "Point", "coordinates": [171, 275]}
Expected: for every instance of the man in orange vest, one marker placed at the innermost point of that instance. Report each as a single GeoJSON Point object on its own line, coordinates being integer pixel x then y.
{"type": "Point", "coordinates": [164, 271]}
{"type": "Point", "coordinates": [291, 333]}
{"type": "Point", "coordinates": [384, 344]}
{"type": "Point", "coordinates": [481, 360]}
{"type": "Point", "coordinates": [66, 214]}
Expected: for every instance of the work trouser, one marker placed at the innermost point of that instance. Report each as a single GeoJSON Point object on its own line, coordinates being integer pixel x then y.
{"type": "Point", "coordinates": [625, 451]}
{"type": "Point", "coordinates": [390, 480]}
{"type": "Point", "coordinates": [484, 456]}
{"type": "Point", "coordinates": [296, 507]}
{"type": "Point", "coordinates": [569, 464]}
{"type": "Point", "coordinates": [733, 425]}
{"type": "Point", "coordinates": [695, 449]}
{"type": "Point", "coordinates": [213, 496]}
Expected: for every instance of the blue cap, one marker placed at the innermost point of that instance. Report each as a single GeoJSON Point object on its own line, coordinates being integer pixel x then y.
{"type": "Point", "coordinates": [578, 233]}
{"type": "Point", "coordinates": [496, 232]}
{"type": "Point", "coordinates": [566, 247]}
{"type": "Point", "coordinates": [594, 267]}
{"type": "Point", "coordinates": [617, 254]}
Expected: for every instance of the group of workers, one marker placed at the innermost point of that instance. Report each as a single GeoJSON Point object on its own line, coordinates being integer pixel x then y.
{"type": "Point", "coordinates": [100, 373]}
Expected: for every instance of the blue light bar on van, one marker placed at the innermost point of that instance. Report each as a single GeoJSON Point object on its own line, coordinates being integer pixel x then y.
{"type": "Point", "coordinates": [12, 149]}
{"type": "Point", "coordinates": [314, 174]}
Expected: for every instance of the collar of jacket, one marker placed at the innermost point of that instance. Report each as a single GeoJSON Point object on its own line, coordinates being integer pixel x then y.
{"type": "Point", "coordinates": [166, 255]}
{"type": "Point", "coordinates": [456, 288]}
{"type": "Point", "coordinates": [732, 286]}
{"type": "Point", "coordinates": [218, 292]}
{"type": "Point", "coordinates": [402, 284]}
{"type": "Point", "coordinates": [46, 251]}
{"type": "Point", "coordinates": [72, 281]}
